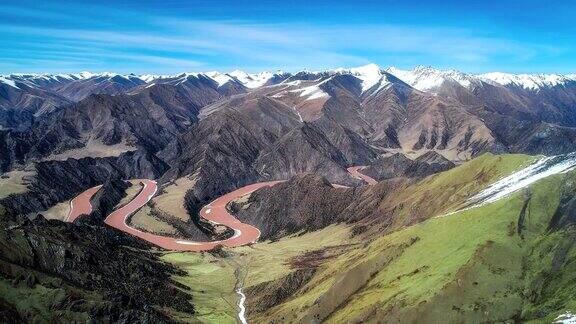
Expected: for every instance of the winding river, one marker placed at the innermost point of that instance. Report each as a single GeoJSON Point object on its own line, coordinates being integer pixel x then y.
{"type": "Point", "coordinates": [215, 213]}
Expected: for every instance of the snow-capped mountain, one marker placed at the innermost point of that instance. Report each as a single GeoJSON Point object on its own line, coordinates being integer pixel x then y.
{"type": "Point", "coordinates": [425, 108]}
{"type": "Point", "coordinates": [252, 81]}
{"type": "Point", "coordinates": [427, 78]}
{"type": "Point", "coordinates": [8, 82]}
{"type": "Point", "coordinates": [421, 78]}
{"type": "Point", "coordinates": [527, 81]}
{"type": "Point", "coordinates": [370, 80]}
{"type": "Point", "coordinates": [370, 75]}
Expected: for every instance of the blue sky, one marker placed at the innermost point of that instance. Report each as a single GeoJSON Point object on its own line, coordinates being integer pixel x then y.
{"type": "Point", "coordinates": [173, 36]}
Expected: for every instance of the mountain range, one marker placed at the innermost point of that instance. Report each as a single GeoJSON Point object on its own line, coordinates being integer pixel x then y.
{"type": "Point", "coordinates": [366, 209]}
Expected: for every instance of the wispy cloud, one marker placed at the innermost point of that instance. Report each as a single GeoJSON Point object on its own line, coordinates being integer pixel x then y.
{"type": "Point", "coordinates": [153, 43]}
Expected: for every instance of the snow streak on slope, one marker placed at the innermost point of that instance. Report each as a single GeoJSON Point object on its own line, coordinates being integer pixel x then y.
{"type": "Point", "coordinates": [541, 169]}
{"type": "Point", "coordinates": [566, 318]}
{"type": "Point", "coordinates": [313, 92]}
{"type": "Point", "coordinates": [8, 82]}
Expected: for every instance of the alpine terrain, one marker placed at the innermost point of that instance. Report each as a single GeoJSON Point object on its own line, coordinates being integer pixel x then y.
{"type": "Point", "coordinates": [350, 195]}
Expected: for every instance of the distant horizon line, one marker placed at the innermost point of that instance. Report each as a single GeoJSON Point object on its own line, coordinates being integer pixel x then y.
{"type": "Point", "coordinates": [281, 71]}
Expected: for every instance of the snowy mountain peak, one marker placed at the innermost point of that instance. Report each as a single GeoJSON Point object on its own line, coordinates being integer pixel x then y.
{"type": "Point", "coordinates": [220, 78]}
{"type": "Point", "coordinates": [252, 80]}
{"type": "Point", "coordinates": [526, 81]}
{"type": "Point", "coordinates": [370, 75]}
{"type": "Point", "coordinates": [85, 75]}
{"type": "Point", "coordinates": [8, 82]}
{"type": "Point", "coordinates": [151, 77]}
{"type": "Point", "coordinates": [427, 78]}
{"type": "Point", "coordinates": [367, 69]}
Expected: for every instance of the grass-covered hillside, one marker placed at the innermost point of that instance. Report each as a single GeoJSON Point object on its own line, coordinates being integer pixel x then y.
{"type": "Point", "coordinates": [510, 260]}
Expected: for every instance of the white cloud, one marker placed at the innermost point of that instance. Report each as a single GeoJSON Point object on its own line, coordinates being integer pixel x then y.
{"type": "Point", "coordinates": [178, 44]}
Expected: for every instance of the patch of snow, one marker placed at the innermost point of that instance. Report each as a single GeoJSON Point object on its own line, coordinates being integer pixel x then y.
{"type": "Point", "coordinates": [313, 92]}
{"type": "Point", "coordinates": [251, 80]}
{"type": "Point", "coordinates": [427, 78]}
{"type": "Point", "coordinates": [178, 79]}
{"type": "Point", "coordinates": [298, 113]}
{"type": "Point", "coordinates": [8, 82]}
{"type": "Point", "coordinates": [34, 79]}
{"type": "Point", "coordinates": [566, 318]}
{"type": "Point", "coordinates": [65, 76]}
{"type": "Point", "coordinates": [150, 77]}
{"type": "Point", "coordinates": [370, 75]}
{"type": "Point", "coordinates": [220, 78]}
{"type": "Point", "coordinates": [538, 170]}
{"type": "Point", "coordinates": [291, 83]}
{"type": "Point", "coordinates": [526, 81]}
{"type": "Point", "coordinates": [85, 75]}
{"type": "Point", "coordinates": [521, 179]}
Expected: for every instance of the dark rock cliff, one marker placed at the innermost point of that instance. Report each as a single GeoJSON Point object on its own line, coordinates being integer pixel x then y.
{"type": "Point", "coordinates": [398, 165]}
{"type": "Point", "coordinates": [304, 203]}
{"type": "Point", "coordinates": [56, 181]}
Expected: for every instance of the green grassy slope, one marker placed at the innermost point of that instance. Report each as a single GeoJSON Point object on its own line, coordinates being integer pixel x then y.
{"type": "Point", "coordinates": [469, 266]}
{"type": "Point", "coordinates": [212, 283]}
{"type": "Point", "coordinates": [493, 263]}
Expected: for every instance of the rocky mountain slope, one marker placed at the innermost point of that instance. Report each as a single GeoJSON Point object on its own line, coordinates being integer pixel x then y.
{"type": "Point", "coordinates": [81, 273]}
{"type": "Point", "coordinates": [459, 115]}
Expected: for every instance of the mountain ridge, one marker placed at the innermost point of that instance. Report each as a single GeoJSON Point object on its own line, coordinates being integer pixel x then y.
{"type": "Point", "coordinates": [531, 81]}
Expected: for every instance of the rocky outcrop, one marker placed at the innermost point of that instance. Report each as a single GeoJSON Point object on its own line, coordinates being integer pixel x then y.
{"type": "Point", "coordinates": [221, 149]}
{"type": "Point", "coordinates": [302, 150]}
{"type": "Point", "coordinates": [565, 214]}
{"type": "Point", "coordinates": [104, 201]}
{"type": "Point", "coordinates": [309, 202]}
{"type": "Point", "coordinates": [304, 203]}
{"type": "Point", "coordinates": [398, 165]}
{"type": "Point", "coordinates": [271, 293]}
{"type": "Point", "coordinates": [20, 102]}
{"type": "Point", "coordinates": [76, 90]}
{"type": "Point", "coordinates": [532, 137]}
{"type": "Point", "coordinates": [147, 120]}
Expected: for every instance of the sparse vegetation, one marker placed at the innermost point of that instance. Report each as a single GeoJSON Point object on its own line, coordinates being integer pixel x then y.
{"type": "Point", "coordinates": [211, 281]}
{"type": "Point", "coordinates": [171, 200]}
{"type": "Point", "coordinates": [146, 221]}
{"type": "Point", "coordinates": [14, 182]}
